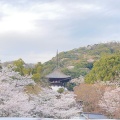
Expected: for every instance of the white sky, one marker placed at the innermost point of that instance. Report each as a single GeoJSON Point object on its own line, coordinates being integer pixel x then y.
{"type": "Point", "coordinates": [34, 29]}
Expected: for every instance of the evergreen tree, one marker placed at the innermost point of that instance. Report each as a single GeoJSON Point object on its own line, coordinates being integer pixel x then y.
{"type": "Point", "coordinates": [106, 69]}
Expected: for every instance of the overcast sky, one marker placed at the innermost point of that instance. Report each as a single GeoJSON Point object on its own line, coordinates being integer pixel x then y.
{"type": "Point", "coordinates": [34, 29]}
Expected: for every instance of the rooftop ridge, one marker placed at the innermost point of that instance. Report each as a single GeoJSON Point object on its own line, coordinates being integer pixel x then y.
{"type": "Point", "coordinates": [57, 74]}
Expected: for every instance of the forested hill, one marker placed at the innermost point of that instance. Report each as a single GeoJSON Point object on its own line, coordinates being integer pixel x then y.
{"type": "Point", "coordinates": [75, 62]}
{"type": "Point", "coordinates": [80, 61]}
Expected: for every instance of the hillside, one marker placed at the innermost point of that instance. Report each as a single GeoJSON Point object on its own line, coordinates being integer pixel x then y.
{"type": "Point", "coordinates": [80, 61]}
{"type": "Point", "coordinates": [75, 62]}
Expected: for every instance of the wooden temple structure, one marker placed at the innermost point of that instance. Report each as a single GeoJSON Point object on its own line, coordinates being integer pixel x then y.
{"type": "Point", "coordinates": [57, 78]}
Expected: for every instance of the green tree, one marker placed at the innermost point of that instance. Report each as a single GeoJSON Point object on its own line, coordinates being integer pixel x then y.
{"type": "Point", "coordinates": [37, 72]}
{"type": "Point", "coordinates": [25, 71]}
{"type": "Point", "coordinates": [36, 77]}
{"type": "Point", "coordinates": [70, 86]}
{"type": "Point", "coordinates": [19, 66]}
{"type": "Point", "coordinates": [106, 69]}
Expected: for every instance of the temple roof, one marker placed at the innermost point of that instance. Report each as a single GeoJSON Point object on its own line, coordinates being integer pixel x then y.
{"type": "Point", "coordinates": [57, 74]}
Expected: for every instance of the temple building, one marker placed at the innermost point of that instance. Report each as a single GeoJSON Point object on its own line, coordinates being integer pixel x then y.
{"type": "Point", "coordinates": [57, 78]}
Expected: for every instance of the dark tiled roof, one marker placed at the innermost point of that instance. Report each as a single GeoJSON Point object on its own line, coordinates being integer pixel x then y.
{"type": "Point", "coordinates": [57, 74]}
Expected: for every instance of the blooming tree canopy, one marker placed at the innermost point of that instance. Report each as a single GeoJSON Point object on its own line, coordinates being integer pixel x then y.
{"type": "Point", "coordinates": [15, 102]}
{"type": "Point", "coordinates": [111, 100]}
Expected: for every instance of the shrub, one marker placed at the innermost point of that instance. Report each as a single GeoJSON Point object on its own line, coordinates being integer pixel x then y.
{"type": "Point", "coordinates": [60, 90]}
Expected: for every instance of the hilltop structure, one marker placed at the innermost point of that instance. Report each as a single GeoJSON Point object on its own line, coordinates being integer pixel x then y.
{"type": "Point", "coordinates": [58, 78]}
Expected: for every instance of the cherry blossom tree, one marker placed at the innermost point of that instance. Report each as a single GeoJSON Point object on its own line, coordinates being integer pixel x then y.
{"type": "Point", "coordinates": [55, 105]}
{"type": "Point", "coordinates": [15, 102]}
{"type": "Point", "coordinates": [110, 101]}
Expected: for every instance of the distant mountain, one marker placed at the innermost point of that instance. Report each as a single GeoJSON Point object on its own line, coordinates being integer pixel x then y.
{"type": "Point", "coordinates": [26, 65]}
{"type": "Point", "coordinates": [5, 64]}
{"type": "Point", "coordinates": [80, 61]}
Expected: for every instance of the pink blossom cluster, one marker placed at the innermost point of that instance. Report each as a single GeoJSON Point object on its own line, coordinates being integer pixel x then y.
{"type": "Point", "coordinates": [15, 102]}
{"type": "Point", "coordinates": [111, 100]}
